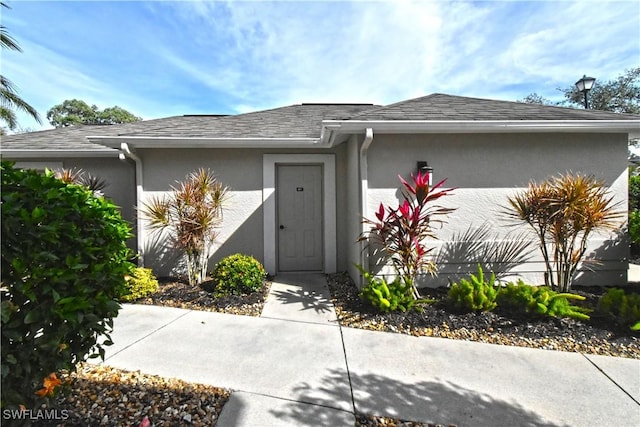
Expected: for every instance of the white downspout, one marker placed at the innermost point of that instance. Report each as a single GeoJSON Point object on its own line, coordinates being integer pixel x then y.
{"type": "Point", "coordinates": [364, 189]}
{"type": "Point", "coordinates": [125, 152]}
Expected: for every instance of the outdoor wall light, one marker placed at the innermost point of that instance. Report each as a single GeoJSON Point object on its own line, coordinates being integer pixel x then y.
{"type": "Point", "coordinates": [424, 168]}
{"type": "Point", "coordinates": [584, 85]}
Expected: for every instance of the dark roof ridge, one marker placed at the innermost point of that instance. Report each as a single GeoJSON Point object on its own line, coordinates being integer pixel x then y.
{"type": "Point", "coordinates": [206, 115]}
{"type": "Point", "coordinates": [438, 106]}
{"type": "Point", "coordinates": [561, 107]}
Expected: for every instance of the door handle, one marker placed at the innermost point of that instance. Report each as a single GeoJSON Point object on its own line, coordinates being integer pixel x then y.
{"type": "Point", "coordinates": [281, 227]}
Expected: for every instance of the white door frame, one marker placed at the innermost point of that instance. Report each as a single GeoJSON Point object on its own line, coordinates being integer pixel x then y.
{"type": "Point", "coordinates": [269, 162]}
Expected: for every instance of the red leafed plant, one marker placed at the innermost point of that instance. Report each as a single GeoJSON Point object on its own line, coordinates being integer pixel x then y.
{"type": "Point", "coordinates": [402, 231]}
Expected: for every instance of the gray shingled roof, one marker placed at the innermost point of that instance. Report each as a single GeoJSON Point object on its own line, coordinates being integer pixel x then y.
{"type": "Point", "coordinates": [448, 107]}
{"type": "Point", "coordinates": [302, 121]}
{"type": "Point", "coordinates": [294, 121]}
{"type": "Point", "coordinates": [71, 137]}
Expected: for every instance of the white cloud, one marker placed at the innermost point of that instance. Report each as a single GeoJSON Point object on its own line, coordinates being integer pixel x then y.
{"type": "Point", "coordinates": [214, 56]}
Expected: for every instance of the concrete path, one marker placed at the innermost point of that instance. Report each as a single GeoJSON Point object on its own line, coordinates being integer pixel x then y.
{"type": "Point", "coordinates": [295, 366]}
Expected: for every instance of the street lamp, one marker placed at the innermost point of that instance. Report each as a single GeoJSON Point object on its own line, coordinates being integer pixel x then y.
{"type": "Point", "coordinates": [584, 85]}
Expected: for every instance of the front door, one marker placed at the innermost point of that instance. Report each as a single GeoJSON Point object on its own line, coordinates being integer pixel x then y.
{"type": "Point", "coordinates": [299, 199]}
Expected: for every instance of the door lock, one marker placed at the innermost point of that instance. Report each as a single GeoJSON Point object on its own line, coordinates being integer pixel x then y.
{"type": "Point", "coordinates": [281, 227]}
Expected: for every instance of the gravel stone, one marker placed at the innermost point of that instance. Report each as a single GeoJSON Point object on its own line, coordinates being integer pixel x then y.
{"type": "Point", "coordinates": [101, 395]}
{"type": "Point", "coordinates": [598, 336]}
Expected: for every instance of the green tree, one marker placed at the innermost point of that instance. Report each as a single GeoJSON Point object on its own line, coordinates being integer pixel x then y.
{"type": "Point", "coordinates": [113, 115]}
{"type": "Point", "coordinates": [621, 95]}
{"type": "Point", "coordinates": [10, 101]}
{"type": "Point", "coordinates": [73, 112]}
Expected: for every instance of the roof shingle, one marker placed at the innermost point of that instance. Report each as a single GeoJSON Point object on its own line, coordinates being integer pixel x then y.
{"type": "Point", "coordinates": [303, 121]}
{"type": "Point", "coordinates": [439, 106]}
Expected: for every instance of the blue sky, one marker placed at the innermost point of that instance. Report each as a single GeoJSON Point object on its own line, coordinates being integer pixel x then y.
{"type": "Point", "coordinates": [163, 58]}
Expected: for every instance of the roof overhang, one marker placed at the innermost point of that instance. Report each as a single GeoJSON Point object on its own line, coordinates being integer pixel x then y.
{"type": "Point", "coordinates": [197, 142]}
{"type": "Point", "coordinates": [332, 129]}
{"type": "Point", "coordinates": [66, 153]}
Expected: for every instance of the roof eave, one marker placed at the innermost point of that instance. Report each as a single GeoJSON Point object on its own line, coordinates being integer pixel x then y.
{"type": "Point", "coordinates": [182, 142]}
{"type": "Point", "coordinates": [477, 126]}
{"type": "Point", "coordinates": [52, 153]}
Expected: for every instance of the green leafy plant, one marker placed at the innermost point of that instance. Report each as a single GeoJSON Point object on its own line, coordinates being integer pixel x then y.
{"type": "Point", "coordinates": [81, 177]}
{"type": "Point", "coordinates": [64, 262]}
{"type": "Point", "coordinates": [191, 215]}
{"type": "Point", "coordinates": [634, 192]}
{"type": "Point", "coordinates": [623, 307]}
{"type": "Point", "coordinates": [238, 274]}
{"type": "Point", "coordinates": [392, 296]}
{"type": "Point", "coordinates": [140, 283]}
{"type": "Point", "coordinates": [634, 226]}
{"type": "Point", "coordinates": [563, 211]}
{"type": "Point", "coordinates": [475, 294]}
{"type": "Point", "coordinates": [541, 300]}
{"type": "Point", "coordinates": [402, 231]}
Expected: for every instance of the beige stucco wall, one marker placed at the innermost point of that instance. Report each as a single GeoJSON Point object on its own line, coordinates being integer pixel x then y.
{"type": "Point", "coordinates": [485, 169]}
{"type": "Point", "coordinates": [119, 175]}
{"type": "Point", "coordinates": [240, 170]}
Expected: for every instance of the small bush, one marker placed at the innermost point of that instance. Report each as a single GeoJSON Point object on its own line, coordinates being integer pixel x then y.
{"type": "Point", "coordinates": [64, 262]}
{"type": "Point", "coordinates": [140, 284]}
{"type": "Point", "coordinates": [541, 300]}
{"type": "Point", "coordinates": [625, 308]}
{"type": "Point", "coordinates": [474, 294]}
{"type": "Point", "coordinates": [634, 226]}
{"type": "Point", "coordinates": [394, 296]}
{"type": "Point", "coordinates": [634, 193]}
{"type": "Point", "coordinates": [237, 275]}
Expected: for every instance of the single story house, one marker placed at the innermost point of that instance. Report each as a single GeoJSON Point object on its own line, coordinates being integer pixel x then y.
{"type": "Point", "coordinates": [302, 177]}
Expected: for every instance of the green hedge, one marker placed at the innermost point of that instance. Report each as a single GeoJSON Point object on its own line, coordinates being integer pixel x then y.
{"type": "Point", "coordinates": [64, 262]}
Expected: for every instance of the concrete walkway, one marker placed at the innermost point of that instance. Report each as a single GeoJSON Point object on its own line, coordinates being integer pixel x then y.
{"type": "Point", "coordinates": [295, 366]}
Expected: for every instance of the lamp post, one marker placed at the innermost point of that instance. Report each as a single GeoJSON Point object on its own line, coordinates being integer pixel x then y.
{"type": "Point", "coordinates": [584, 85]}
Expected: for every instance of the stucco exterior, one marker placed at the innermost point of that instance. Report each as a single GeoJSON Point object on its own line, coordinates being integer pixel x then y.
{"type": "Point", "coordinates": [488, 150]}
{"type": "Point", "coordinates": [485, 169]}
{"type": "Point", "coordinates": [241, 170]}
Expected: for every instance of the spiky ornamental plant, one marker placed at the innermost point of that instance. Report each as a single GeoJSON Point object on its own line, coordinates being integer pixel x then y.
{"type": "Point", "coordinates": [191, 215]}
{"type": "Point", "coordinates": [563, 211]}
{"type": "Point", "coordinates": [81, 177]}
{"type": "Point", "coordinates": [403, 230]}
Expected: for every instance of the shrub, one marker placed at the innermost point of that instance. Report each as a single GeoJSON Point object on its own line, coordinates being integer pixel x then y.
{"type": "Point", "coordinates": [238, 274]}
{"type": "Point", "coordinates": [562, 212]}
{"type": "Point", "coordinates": [64, 262]}
{"type": "Point", "coordinates": [475, 294]}
{"type": "Point", "coordinates": [625, 308]}
{"type": "Point", "coordinates": [81, 177]}
{"type": "Point", "coordinates": [541, 300]}
{"type": "Point", "coordinates": [394, 296]}
{"type": "Point", "coordinates": [140, 284]}
{"type": "Point", "coordinates": [403, 230]}
{"type": "Point", "coordinates": [634, 193]}
{"type": "Point", "coordinates": [634, 226]}
{"type": "Point", "coordinates": [191, 215]}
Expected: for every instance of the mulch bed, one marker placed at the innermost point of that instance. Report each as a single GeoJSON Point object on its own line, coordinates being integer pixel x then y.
{"type": "Point", "coordinates": [598, 336]}
{"type": "Point", "coordinates": [177, 293]}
